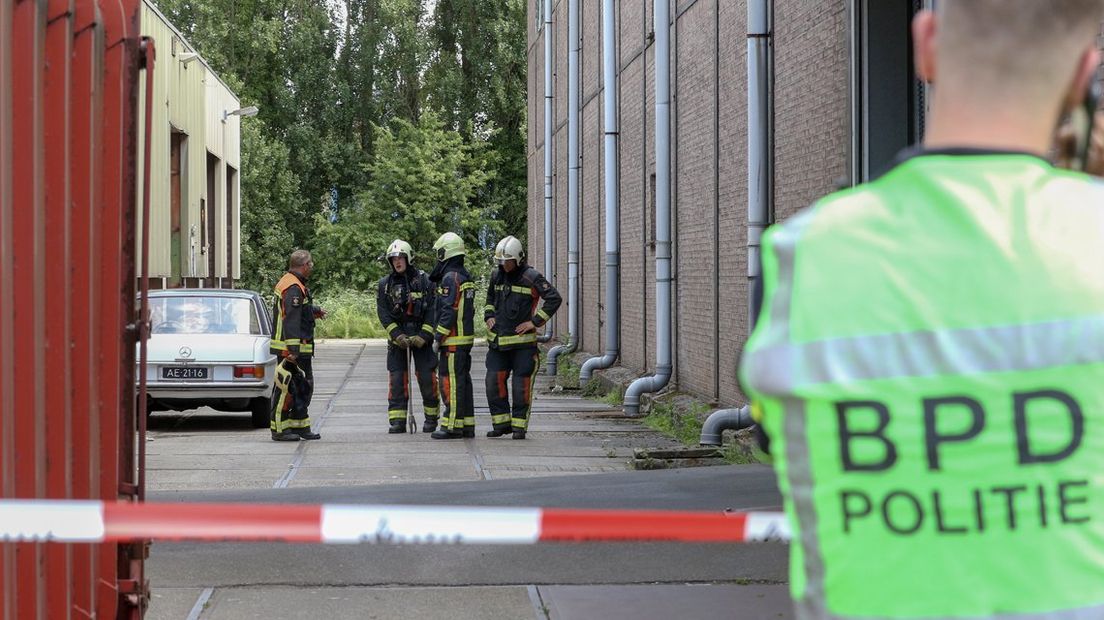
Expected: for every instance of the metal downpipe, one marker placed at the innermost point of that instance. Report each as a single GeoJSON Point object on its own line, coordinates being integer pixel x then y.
{"type": "Point", "coordinates": [549, 329]}
{"type": "Point", "coordinates": [613, 205]}
{"type": "Point", "coordinates": [724, 420]}
{"type": "Point", "coordinates": [760, 176]}
{"type": "Point", "coordinates": [572, 189]}
{"type": "Point", "coordinates": [662, 375]}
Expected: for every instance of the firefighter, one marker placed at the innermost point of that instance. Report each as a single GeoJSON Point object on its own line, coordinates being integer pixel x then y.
{"type": "Point", "coordinates": [404, 304]}
{"type": "Point", "coordinates": [512, 320]}
{"type": "Point", "coordinates": [454, 334]}
{"type": "Point", "coordinates": [293, 342]}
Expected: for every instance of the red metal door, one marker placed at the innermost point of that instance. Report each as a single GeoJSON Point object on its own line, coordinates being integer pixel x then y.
{"type": "Point", "coordinates": [68, 147]}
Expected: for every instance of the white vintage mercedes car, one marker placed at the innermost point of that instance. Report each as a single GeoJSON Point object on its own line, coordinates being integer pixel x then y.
{"type": "Point", "coordinates": [209, 348]}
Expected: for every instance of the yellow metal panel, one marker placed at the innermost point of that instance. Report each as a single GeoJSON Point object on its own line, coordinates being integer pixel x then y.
{"type": "Point", "coordinates": [190, 99]}
{"type": "Point", "coordinates": [222, 139]}
{"type": "Point", "coordinates": [159, 254]}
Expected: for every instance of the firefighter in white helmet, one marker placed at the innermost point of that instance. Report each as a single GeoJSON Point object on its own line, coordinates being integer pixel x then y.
{"type": "Point", "coordinates": [513, 318]}
{"type": "Point", "coordinates": [405, 306]}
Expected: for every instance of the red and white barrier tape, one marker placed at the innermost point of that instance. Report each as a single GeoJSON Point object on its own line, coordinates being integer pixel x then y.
{"type": "Point", "coordinates": [73, 521]}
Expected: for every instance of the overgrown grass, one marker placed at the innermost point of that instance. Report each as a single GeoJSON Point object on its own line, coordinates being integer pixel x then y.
{"type": "Point", "coordinates": [684, 423]}
{"type": "Point", "coordinates": [352, 314]}
{"type": "Point", "coordinates": [614, 398]}
{"type": "Point", "coordinates": [567, 373]}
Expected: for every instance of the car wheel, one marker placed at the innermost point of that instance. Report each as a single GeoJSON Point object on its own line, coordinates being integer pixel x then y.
{"type": "Point", "coordinates": [260, 408]}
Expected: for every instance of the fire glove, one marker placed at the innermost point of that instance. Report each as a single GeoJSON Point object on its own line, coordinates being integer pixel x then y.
{"type": "Point", "coordinates": [417, 342]}
{"type": "Point", "coordinates": [403, 341]}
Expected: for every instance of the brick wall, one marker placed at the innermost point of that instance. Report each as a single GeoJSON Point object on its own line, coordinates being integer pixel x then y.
{"type": "Point", "coordinates": [709, 117]}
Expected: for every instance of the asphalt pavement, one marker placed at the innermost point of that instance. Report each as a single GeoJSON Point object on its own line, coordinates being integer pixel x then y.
{"type": "Point", "coordinates": [578, 455]}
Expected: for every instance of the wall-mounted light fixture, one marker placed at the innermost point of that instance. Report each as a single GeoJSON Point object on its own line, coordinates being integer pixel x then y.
{"type": "Point", "coordinates": [187, 57]}
{"type": "Point", "coordinates": [246, 111]}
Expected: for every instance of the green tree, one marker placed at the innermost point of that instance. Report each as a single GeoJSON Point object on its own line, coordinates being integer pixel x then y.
{"type": "Point", "coordinates": [269, 192]}
{"type": "Point", "coordinates": [423, 179]}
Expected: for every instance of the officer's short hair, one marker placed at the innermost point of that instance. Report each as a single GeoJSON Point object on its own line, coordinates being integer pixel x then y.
{"type": "Point", "coordinates": [1015, 48]}
{"type": "Point", "coordinates": [299, 258]}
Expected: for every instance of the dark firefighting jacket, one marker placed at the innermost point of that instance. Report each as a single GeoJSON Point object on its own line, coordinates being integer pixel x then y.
{"type": "Point", "coordinates": [512, 299]}
{"type": "Point", "coordinates": [405, 304]}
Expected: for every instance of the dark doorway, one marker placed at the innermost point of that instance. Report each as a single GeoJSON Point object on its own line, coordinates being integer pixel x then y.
{"type": "Point", "coordinates": [232, 206]}
{"type": "Point", "coordinates": [178, 158]}
{"type": "Point", "coordinates": [209, 216]}
{"type": "Point", "coordinates": [888, 101]}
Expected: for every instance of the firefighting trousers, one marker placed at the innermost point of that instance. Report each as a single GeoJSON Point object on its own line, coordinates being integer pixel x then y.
{"type": "Point", "coordinates": [294, 388]}
{"type": "Point", "coordinates": [457, 400]}
{"type": "Point", "coordinates": [522, 366]}
{"type": "Point", "coordinates": [398, 387]}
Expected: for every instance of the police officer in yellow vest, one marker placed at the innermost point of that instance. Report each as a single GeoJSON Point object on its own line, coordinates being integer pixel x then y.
{"type": "Point", "coordinates": [405, 305]}
{"type": "Point", "coordinates": [294, 315]}
{"type": "Point", "coordinates": [455, 337]}
{"type": "Point", "coordinates": [929, 357]}
{"type": "Point", "coordinates": [512, 318]}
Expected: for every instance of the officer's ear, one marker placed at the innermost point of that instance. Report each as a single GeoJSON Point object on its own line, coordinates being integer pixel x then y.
{"type": "Point", "coordinates": [923, 44]}
{"type": "Point", "coordinates": [1086, 72]}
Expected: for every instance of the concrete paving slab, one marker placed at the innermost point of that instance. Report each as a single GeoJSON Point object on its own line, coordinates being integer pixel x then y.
{"type": "Point", "coordinates": [313, 476]}
{"type": "Point", "coordinates": [486, 603]}
{"type": "Point", "coordinates": [172, 603]}
{"type": "Point", "coordinates": [686, 602]}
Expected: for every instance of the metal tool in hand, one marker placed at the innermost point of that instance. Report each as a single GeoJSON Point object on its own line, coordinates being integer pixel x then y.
{"type": "Point", "coordinates": [410, 424]}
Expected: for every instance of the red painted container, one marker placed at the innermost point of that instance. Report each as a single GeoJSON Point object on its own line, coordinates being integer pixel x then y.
{"type": "Point", "coordinates": [68, 324]}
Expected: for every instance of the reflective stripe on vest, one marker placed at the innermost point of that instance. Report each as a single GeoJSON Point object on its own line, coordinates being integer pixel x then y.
{"type": "Point", "coordinates": [278, 342]}
{"type": "Point", "coordinates": [929, 365]}
{"type": "Point", "coordinates": [460, 339]}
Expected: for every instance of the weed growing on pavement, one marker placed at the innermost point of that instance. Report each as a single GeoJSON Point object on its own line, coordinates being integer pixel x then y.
{"type": "Point", "coordinates": [614, 398]}
{"type": "Point", "coordinates": [684, 423]}
{"type": "Point", "coordinates": [681, 424]}
{"type": "Point", "coordinates": [592, 389]}
{"type": "Point", "coordinates": [567, 373]}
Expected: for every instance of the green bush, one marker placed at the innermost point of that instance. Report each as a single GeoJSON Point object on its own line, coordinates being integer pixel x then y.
{"type": "Point", "coordinates": [352, 314]}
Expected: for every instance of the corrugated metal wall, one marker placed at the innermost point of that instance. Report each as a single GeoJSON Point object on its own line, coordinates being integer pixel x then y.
{"type": "Point", "coordinates": [189, 99]}
{"type": "Point", "coordinates": [223, 136]}
{"type": "Point", "coordinates": [68, 72]}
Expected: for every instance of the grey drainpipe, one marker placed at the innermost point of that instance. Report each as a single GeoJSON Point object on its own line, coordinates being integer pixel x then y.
{"type": "Point", "coordinates": [572, 189]}
{"type": "Point", "coordinates": [613, 206]}
{"type": "Point", "coordinates": [724, 420]}
{"type": "Point", "coordinates": [760, 175]}
{"type": "Point", "coordinates": [549, 330]}
{"type": "Point", "coordinates": [662, 375]}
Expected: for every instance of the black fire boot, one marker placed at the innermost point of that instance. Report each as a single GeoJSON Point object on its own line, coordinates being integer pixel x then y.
{"type": "Point", "coordinates": [285, 436]}
{"type": "Point", "coordinates": [397, 427]}
{"type": "Point", "coordinates": [430, 424]}
{"type": "Point", "coordinates": [498, 433]}
{"type": "Point", "coordinates": [468, 433]}
{"type": "Point", "coordinates": [305, 433]}
{"type": "Point", "coordinates": [519, 434]}
{"type": "Point", "coordinates": [443, 433]}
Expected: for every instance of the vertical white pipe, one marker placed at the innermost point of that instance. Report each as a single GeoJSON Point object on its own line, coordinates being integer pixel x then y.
{"type": "Point", "coordinates": [549, 270]}
{"type": "Point", "coordinates": [758, 171]}
{"type": "Point", "coordinates": [613, 206]}
{"type": "Point", "coordinates": [657, 381]}
{"type": "Point", "coordinates": [573, 164]}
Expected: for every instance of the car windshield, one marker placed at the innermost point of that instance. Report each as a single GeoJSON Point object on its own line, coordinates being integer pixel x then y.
{"type": "Point", "coordinates": [203, 315]}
